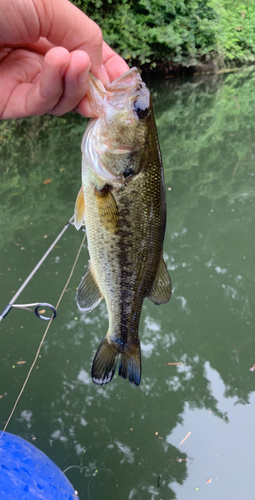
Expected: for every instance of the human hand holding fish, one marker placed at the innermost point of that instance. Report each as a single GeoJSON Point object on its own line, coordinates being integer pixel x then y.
{"type": "Point", "coordinates": [47, 48]}
{"type": "Point", "coordinates": [122, 204]}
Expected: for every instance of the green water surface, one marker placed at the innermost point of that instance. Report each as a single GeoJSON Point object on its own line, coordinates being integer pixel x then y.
{"type": "Point", "coordinates": [118, 441]}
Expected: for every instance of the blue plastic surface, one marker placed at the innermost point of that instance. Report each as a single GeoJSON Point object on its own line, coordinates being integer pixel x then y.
{"type": "Point", "coordinates": [26, 473]}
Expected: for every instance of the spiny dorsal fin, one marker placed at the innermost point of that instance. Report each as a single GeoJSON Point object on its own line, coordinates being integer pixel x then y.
{"type": "Point", "coordinates": [88, 294]}
{"type": "Point", "coordinates": [79, 210]}
{"type": "Point", "coordinates": [160, 292]}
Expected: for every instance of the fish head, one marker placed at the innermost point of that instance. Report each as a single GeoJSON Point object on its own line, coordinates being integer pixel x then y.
{"type": "Point", "coordinates": [114, 142]}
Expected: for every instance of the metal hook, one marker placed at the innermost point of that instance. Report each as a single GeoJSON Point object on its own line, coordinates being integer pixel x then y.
{"type": "Point", "coordinates": [27, 307]}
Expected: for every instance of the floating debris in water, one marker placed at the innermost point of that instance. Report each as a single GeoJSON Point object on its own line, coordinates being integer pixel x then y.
{"type": "Point", "coordinates": [177, 459]}
{"type": "Point", "coordinates": [174, 364]}
{"type": "Point", "coordinates": [184, 439]}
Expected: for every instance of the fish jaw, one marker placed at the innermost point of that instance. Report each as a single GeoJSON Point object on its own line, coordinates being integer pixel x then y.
{"type": "Point", "coordinates": [96, 94]}
{"type": "Point", "coordinates": [125, 82]}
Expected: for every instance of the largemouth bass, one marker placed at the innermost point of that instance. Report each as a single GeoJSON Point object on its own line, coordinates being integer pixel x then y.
{"type": "Point", "coordinates": [122, 204]}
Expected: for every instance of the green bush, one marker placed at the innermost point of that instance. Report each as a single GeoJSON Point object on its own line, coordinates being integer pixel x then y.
{"type": "Point", "coordinates": [184, 32]}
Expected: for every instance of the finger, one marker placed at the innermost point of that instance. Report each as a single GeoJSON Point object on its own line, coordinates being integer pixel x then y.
{"type": "Point", "coordinates": [76, 82]}
{"type": "Point", "coordinates": [41, 46]}
{"type": "Point", "coordinates": [84, 109]}
{"type": "Point", "coordinates": [46, 93]}
{"type": "Point", "coordinates": [65, 25]}
{"type": "Point", "coordinates": [113, 63]}
{"type": "Point", "coordinates": [18, 69]}
{"type": "Point", "coordinates": [37, 84]}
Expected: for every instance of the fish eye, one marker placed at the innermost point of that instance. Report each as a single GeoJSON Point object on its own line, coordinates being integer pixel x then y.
{"type": "Point", "coordinates": [140, 108]}
{"type": "Point", "coordinates": [128, 172]}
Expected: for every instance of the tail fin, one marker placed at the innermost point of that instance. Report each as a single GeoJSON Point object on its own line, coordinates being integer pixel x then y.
{"type": "Point", "coordinates": [105, 361]}
{"type": "Point", "coordinates": [130, 364]}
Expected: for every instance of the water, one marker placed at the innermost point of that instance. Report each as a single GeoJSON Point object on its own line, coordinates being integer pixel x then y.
{"type": "Point", "coordinates": [120, 441]}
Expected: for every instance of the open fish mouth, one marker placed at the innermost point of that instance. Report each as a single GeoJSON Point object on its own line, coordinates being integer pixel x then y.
{"type": "Point", "coordinates": [121, 151]}
{"type": "Point", "coordinates": [124, 82]}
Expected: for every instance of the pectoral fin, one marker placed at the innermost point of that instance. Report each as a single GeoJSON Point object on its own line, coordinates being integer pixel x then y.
{"type": "Point", "coordinates": [88, 294]}
{"type": "Point", "coordinates": [79, 210]}
{"type": "Point", "coordinates": [107, 209]}
{"type": "Point", "coordinates": [160, 292]}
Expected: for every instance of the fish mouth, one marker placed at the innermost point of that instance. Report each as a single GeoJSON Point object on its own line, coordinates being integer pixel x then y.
{"type": "Point", "coordinates": [125, 82]}
{"type": "Point", "coordinates": [120, 151]}
{"type": "Point", "coordinates": [97, 84]}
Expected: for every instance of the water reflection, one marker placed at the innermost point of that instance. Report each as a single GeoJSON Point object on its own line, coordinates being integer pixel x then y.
{"type": "Point", "coordinates": [118, 441]}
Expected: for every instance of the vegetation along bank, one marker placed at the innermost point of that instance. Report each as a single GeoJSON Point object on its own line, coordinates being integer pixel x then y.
{"type": "Point", "coordinates": [177, 35]}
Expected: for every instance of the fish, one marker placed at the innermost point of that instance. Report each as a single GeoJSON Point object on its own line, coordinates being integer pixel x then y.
{"type": "Point", "coordinates": [123, 207]}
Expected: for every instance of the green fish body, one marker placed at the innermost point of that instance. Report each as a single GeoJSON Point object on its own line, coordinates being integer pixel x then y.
{"type": "Point", "coordinates": [122, 203]}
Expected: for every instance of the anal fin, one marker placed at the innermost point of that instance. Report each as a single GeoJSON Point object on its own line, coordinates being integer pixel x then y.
{"type": "Point", "coordinates": [88, 294]}
{"type": "Point", "coordinates": [160, 292]}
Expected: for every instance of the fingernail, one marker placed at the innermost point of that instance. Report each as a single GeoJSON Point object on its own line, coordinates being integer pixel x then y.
{"type": "Point", "coordinates": [104, 76]}
{"type": "Point", "coordinates": [82, 77]}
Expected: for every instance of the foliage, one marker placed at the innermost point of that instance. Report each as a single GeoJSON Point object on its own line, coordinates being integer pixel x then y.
{"type": "Point", "coordinates": [184, 32]}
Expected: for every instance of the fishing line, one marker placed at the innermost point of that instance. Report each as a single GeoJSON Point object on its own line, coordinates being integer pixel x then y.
{"type": "Point", "coordinates": [37, 304]}
{"type": "Point", "coordinates": [43, 337]}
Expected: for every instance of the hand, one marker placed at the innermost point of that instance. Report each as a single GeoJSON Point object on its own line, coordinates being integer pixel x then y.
{"type": "Point", "coordinates": [47, 48]}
